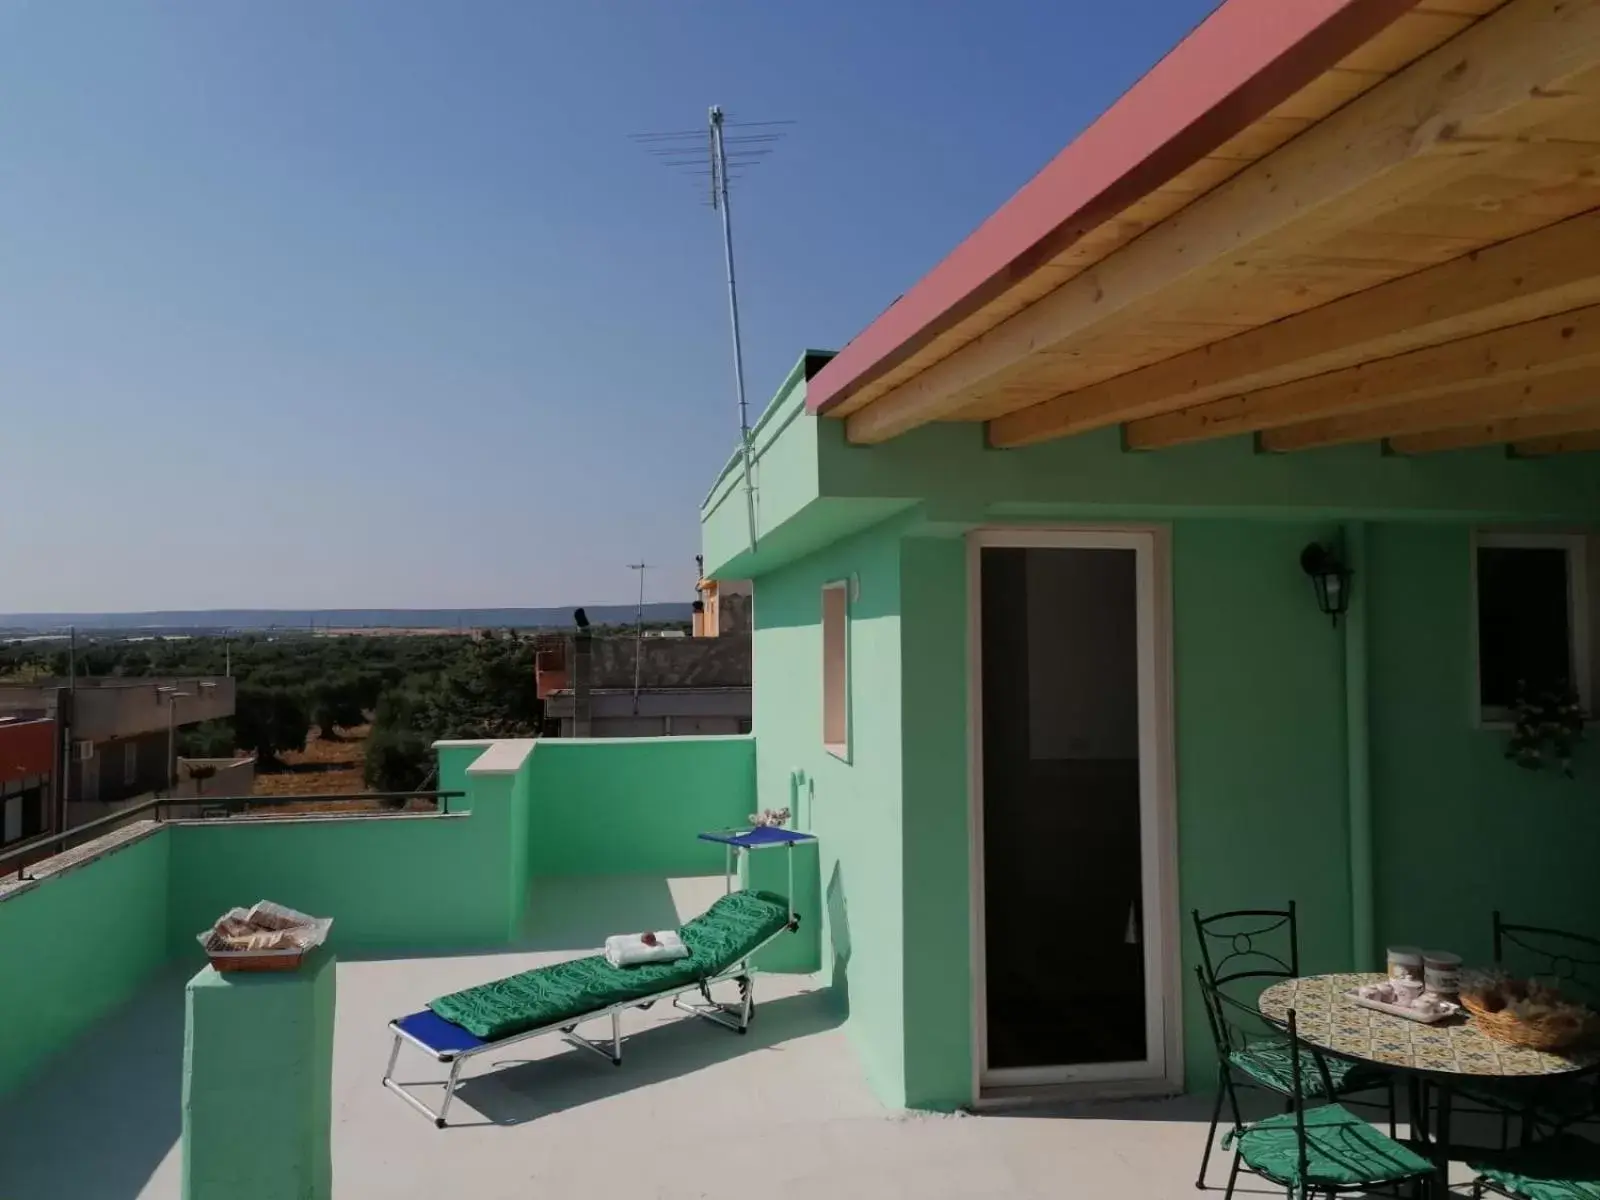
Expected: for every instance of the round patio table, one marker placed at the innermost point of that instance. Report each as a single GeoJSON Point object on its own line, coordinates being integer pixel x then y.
{"type": "Point", "coordinates": [1447, 1054]}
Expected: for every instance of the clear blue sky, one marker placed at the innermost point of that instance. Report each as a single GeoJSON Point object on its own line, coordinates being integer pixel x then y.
{"type": "Point", "coordinates": [314, 303]}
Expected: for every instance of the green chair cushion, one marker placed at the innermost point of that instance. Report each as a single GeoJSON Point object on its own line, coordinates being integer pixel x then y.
{"type": "Point", "coordinates": [1341, 1150]}
{"type": "Point", "coordinates": [717, 939]}
{"type": "Point", "coordinates": [1563, 1168]}
{"type": "Point", "coordinates": [1271, 1064]}
{"type": "Point", "coordinates": [1555, 1101]}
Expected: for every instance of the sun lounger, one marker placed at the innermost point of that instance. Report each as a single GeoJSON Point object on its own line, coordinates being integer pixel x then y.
{"type": "Point", "coordinates": [558, 998]}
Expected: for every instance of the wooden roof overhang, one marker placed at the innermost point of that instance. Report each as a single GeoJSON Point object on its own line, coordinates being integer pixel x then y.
{"type": "Point", "coordinates": [1319, 222]}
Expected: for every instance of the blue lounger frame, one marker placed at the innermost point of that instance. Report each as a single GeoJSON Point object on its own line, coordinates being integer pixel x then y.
{"type": "Point", "coordinates": [447, 1042]}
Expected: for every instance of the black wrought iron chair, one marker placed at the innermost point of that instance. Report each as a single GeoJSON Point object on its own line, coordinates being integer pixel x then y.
{"type": "Point", "coordinates": [1566, 1167]}
{"type": "Point", "coordinates": [1572, 959]}
{"type": "Point", "coordinates": [1262, 945]}
{"type": "Point", "coordinates": [1317, 1146]}
{"type": "Point", "coordinates": [1545, 1107]}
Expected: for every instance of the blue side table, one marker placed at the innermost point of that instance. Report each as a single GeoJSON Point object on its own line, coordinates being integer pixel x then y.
{"type": "Point", "coordinates": [760, 837]}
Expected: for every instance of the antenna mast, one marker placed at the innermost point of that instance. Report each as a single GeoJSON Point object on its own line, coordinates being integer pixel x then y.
{"type": "Point", "coordinates": [747, 150]}
{"type": "Point", "coordinates": [719, 201]}
{"type": "Point", "coordinates": [638, 633]}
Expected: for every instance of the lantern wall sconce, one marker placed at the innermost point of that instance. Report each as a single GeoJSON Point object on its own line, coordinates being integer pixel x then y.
{"type": "Point", "coordinates": [1329, 577]}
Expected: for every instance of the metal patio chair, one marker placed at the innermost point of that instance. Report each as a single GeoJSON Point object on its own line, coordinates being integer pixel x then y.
{"type": "Point", "coordinates": [1317, 1147]}
{"type": "Point", "coordinates": [1258, 945]}
{"type": "Point", "coordinates": [1545, 1108]}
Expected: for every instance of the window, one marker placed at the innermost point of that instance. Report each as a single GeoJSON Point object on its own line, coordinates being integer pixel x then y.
{"type": "Point", "coordinates": [1533, 618]}
{"type": "Point", "coordinates": [836, 669]}
{"type": "Point", "coordinates": [130, 763]}
{"type": "Point", "coordinates": [22, 811]}
{"type": "Point", "coordinates": [33, 802]}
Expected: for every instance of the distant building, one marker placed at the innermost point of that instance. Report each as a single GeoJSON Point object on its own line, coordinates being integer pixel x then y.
{"type": "Point", "coordinates": [112, 738]}
{"type": "Point", "coordinates": [27, 770]}
{"type": "Point", "coordinates": [722, 608]}
{"type": "Point", "coordinates": [663, 686]}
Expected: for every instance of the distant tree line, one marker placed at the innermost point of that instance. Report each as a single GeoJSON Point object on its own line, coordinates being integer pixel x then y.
{"type": "Point", "coordinates": [413, 690]}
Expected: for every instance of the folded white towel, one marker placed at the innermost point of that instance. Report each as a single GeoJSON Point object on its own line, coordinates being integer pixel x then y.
{"type": "Point", "coordinates": [630, 949]}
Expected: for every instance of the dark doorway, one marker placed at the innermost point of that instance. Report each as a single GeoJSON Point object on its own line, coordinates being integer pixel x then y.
{"type": "Point", "coordinates": [1062, 867]}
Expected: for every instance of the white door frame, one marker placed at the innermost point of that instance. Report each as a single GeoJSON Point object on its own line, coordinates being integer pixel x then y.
{"type": "Point", "coordinates": [1162, 1068]}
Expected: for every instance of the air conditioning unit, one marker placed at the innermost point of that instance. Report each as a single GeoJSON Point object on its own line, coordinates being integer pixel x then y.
{"type": "Point", "coordinates": [82, 751]}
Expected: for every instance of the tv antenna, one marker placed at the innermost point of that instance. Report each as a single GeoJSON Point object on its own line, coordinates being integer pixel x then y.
{"type": "Point", "coordinates": [729, 155]}
{"type": "Point", "coordinates": [638, 633]}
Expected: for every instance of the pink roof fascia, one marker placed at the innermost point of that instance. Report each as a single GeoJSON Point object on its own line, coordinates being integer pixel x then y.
{"type": "Point", "coordinates": [1241, 62]}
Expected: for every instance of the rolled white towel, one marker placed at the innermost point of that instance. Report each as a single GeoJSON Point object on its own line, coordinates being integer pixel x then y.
{"type": "Point", "coordinates": [631, 949]}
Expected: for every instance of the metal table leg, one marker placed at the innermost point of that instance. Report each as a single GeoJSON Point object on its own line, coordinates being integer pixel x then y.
{"type": "Point", "coordinates": [1441, 1145]}
{"type": "Point", "coordinates": [1417, 1107]}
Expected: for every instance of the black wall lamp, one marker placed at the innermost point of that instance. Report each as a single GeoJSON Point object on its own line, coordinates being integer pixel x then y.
{"type": "Point", "coordinates": [1329, 576]}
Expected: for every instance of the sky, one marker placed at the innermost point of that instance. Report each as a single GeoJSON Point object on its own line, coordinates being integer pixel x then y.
{"type": "Point", "coordinates": [331, 303]}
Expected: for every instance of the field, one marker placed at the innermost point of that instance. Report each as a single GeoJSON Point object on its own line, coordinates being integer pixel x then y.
{"type": "Point", "coordinates": [325, 767]}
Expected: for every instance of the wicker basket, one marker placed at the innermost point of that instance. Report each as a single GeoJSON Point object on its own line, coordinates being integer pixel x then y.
{"type": "Point", "coordinates": [267, 960]}
{"type": "Point", "coordinates": [1550, 1033]}
{"type": "Point", "coordinates": [313, 931]}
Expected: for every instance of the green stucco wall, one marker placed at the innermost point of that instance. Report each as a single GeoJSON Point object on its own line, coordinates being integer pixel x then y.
{"type": "Point", "coordinates": [854, 807]}
{"type": "Point", "coordinates": [454, 758]}
{"type": "Point", "coordinates": [1259, 707]}
{"type": "Point", "coordinates": [934, 755]}
{"type": "Point", "coordinates": [623, 806]}
{"type": "Point", "coordinates": [817, 489]}
{"type": "Point", "coordinates": [61, 973]}
{"type": "Point", "coordinates": [1459, 831]}
{"type": "Point", "coordinates": [388, 883]}
{"type": "Point", "coordinates": [1263, 761]}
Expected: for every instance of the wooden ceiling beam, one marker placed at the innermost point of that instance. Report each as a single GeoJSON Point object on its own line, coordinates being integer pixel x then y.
{"type": "Point", "coordinates": [1496, 401]}
{"type": "Point", "coordinates": [1550, 271]}
{"type": "Point", "coordinates": [1568, 443]}
{"type": "Point", "coordinates": [1538, 427]}
{"type": "Point", "coordinates": [1565, 342]}
{"type": "Point", "coordinates": [1449, 115]}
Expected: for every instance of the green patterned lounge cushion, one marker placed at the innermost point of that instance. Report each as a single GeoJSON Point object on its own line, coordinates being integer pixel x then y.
{"type": "Point", "coordinates": [722, 935]}
{"type": "Point", "coordinates": [1271, 1063]}
{"type": "Point", "coordinates": [1563, 1168]}
{"type": "Point", "coordinates": [1341, 1150]}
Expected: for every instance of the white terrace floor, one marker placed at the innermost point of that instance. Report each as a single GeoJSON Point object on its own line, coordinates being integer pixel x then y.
{"type": "Point", "coordinates": [694, 1111]}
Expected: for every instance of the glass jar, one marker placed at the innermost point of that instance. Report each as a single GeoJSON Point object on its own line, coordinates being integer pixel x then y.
{"type": "Point", "coordinates": [1441, 975]}
{"type": "Point", "coordinates": [1405, 962]}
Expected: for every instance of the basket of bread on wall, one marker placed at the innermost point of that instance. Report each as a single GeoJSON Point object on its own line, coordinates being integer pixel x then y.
{"type": "Point", "coordinates": [265, 937]}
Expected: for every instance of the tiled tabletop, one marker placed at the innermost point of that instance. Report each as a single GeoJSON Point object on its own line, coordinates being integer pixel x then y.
{"type": "Point", "coordinates": [1325, 1018]}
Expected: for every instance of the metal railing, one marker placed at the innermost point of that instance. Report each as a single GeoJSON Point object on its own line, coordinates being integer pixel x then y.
{"type": "Point", "coordinates": [26, 853]}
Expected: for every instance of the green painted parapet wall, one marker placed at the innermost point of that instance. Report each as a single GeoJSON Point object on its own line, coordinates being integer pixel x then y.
{"type": "Point", "coordinates": [61, 968]}
{"type": "Point", "coordinates": [632, 806]}
{"type": "Point", "coordinates": [392, 884]}
{"type": "Point", "coordinates": [388, 882]}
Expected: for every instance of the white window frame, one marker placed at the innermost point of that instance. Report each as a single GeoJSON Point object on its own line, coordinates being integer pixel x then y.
{"type": "Point", "coordinates": [1161, 1071]}
{"type": "Point", "coordinates": [130, 763]}
{"type": "Point", "coordinates": [840, 749]}
{"type": "Point", "coordinates": [1578, 614]}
